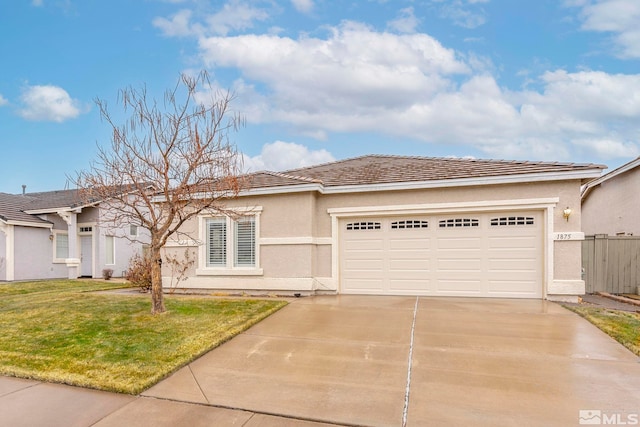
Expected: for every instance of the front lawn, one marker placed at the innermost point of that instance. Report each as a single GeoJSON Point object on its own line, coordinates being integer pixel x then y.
{"type": "Point", "coordinates": [623, 326]}
{"type": "Point", "coordinates": [60, 331]}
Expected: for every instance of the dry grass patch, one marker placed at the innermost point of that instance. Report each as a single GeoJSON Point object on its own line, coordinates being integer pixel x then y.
{"type": "Point", "coordinates": [623, 326]}
{"type": "Point", "coordinates": [57, 331]}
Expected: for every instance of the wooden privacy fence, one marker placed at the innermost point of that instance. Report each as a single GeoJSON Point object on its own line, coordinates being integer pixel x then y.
{"type": "Point", "coordinates": [611, 264]}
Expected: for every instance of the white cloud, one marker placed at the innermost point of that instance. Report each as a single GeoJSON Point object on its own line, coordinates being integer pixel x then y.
{"type": "Point", "coordinates": [37, 3]}
{"type": "Point", "coordinates": [280, 155]}
{"type": "Point", "coordinates": [177, 26]}
{"type": "Point", "coordinates": [406, 22]}
{"type": "Point", "coordinates": [463, 13]}
{"type": "Point", "coordinates": [48, 103]}
{"type": "Point", "coordinates": [233, 16]}
{"type": "Point", "coordinates": [3, 100]}
{"type": "Point", "coordinates": [304, 6]}
{"type": "Point", "coordinates": [619, 17]}
{"type": "Point", "coordinates": [355, 70]}
{"type": "Point", "coordinates": [410, 86]}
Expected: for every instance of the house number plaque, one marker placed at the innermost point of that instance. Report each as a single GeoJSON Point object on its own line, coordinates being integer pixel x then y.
{"type": "Point", "coordinates": [571, 235]}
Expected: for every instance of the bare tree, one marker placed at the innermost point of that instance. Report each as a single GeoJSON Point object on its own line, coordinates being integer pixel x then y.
{"type": "Point", "coordinates": [167, 163]}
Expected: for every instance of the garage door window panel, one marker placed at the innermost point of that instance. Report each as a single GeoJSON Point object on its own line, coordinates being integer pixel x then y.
{"type": "Point", "coordinates": [458, 222]}
{"type": "Point", "coordinates": [512, 220]}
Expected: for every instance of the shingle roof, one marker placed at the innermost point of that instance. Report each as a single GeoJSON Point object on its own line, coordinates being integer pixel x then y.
{"type": "Point", "coordinates": [54, 199]}
{"type": "Point", "coordinates": [276, 179]}
{"type": "Point", "coordinates": [12, 206]}
{"type": "Point", "coordinates": [388, 169]}
{"type": "Point", "coordinates": [382, 169]}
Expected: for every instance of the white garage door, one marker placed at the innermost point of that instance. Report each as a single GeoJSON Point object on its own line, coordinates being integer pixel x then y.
{"type": "Point", "coordinates": [480, 255]}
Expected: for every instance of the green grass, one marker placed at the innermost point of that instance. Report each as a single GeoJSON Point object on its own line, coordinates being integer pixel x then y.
{"type": "Point", "coordinates": [623, 326]}
{"type": "Point", "coordinates": [59, 331]}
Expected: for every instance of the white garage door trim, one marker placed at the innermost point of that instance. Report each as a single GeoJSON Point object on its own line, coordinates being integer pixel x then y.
{"type": "Point", "coordinates": [545, 205]}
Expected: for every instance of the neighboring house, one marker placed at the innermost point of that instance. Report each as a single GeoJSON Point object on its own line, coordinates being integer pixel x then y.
{"type": "Point", "coordinates": [392, 225]}
{"type": "Point", "coordinates": [55, 235]}
{"type": "Point", "coordinates": [610, 204]}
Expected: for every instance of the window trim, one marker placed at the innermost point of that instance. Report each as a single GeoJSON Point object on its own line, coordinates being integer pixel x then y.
{"type": "Point", "coordinates": [229, 269]}
{"type": "Point", "coordinates": [106, 249]}
{"type": "Point", "coordinates": [56, 233]}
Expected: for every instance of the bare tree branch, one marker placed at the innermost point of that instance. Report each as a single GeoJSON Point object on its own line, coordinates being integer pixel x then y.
{"type": "Point", "coordinates": [166, 163]}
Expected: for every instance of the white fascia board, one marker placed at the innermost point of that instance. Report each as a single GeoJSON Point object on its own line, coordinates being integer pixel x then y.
{"type": "Point", "coordinates": [466, 182]}
{"type": "Point", "coordinates": [30, 224]}
{"type": "Point", "coordinates": [622, 169]}
{"type": "Point", "coordinates": [419, 185]}
{"type": "Point", "coordinates": [56, 210]}
{"type": "Point", "coordinates": [283, 189]}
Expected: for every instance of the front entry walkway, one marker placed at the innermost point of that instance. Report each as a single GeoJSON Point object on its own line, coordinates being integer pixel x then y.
{"type": "Point", "coordinates": [390, 361]}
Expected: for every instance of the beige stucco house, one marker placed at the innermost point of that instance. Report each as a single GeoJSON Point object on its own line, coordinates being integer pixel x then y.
{"type": "Point", "coordinates": [610, 204]}
{"type": "Point", "coordinates": [392, 225]}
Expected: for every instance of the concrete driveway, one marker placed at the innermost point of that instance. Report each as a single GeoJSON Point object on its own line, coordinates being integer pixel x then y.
{"type": "Point", "coordinates": [387, 361]}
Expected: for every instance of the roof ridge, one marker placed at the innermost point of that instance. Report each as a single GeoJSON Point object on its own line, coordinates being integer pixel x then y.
{"type": "Point", "coordinates": [447, 158]}
{"type": "Point", "coordinates": [296, 177]}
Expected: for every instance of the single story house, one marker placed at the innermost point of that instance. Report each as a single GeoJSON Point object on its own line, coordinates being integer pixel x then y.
{"type": "Point", "coordinates": [54, 234]}
{"type": "Point", "coordinates": [396, 225]}
{"type": "Point", "coordinates": [610, 204]}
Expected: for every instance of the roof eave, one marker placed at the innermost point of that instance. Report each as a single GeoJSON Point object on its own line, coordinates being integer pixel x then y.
{"type": "Point", "coordinates": [419, 185]}
{"type": "Point", "coordinates": [599, 180]}
{"type": "Point", "coordinates": [30, 224]}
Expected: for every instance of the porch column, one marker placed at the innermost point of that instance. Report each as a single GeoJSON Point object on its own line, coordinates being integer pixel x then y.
{"type": "Point", "coordinates": [73, 261]}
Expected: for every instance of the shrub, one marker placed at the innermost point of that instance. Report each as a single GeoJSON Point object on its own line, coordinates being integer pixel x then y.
{"type": "Point", "coordinates": [107, 273]}
{"type": "Point", "coordinates": [139, 272]}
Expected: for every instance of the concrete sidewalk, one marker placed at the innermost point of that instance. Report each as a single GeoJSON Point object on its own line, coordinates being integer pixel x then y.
{"type": "Point", "coordinates": [372, 361]}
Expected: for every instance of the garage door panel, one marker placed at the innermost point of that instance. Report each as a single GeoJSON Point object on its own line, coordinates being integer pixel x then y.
{"type": "Point", "coordinates": [511, 243]}
{"type": "Point", "coordinates": [512, 287]}
{"type": "Point", "coordinates": [373, 286]}
{"type": "Point", "coordinates": [416, 265]}
{"type": "Point", "coordinates": [409, 244]}
{"type": "Point", "coordinates": [459, 286]}
{"type": "Point", "coordinates": [455, 265]}
{"type": "Point", "coordinates": [496, 255]}
{"type": "Point", "coordinates": [511, 264]}
{"type": "Point", "coordinates": [457, 243]}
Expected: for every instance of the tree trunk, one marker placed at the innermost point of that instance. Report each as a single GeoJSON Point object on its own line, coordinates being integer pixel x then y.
{"type": "Point", "coordinates": [157, 296]}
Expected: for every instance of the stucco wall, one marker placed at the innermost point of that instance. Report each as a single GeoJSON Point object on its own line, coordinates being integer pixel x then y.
{"type": "Point", "coordinates": [296, 231]}
{"type": "Point", "coordinates": [34, 255]}
{"type": "Point", "coordinates": [126, 246]}
{"type": "Point", "coordinates": [612, 207]}
{"type": "Point", "coordinates": [3, 255]}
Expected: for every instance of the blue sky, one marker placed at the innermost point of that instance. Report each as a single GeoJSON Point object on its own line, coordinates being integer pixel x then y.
{"type": "Point", "coordinates": [319, 80]}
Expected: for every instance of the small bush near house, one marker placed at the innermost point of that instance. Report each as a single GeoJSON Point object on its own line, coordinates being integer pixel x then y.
{"type": "Point", "coordinates": [107, 273]}
{"type": "Point", "coordinates": [139, 272]}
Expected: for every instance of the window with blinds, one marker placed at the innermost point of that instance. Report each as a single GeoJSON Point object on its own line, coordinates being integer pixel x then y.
{"type": "Point", "coordinates": [245, 242]}
{"type": "Point", "coordinates": [216, 242]}
{"type": "Point", "coordinates": [231, 243]}
{"type": "Point", "coordinates": [62, 246]}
